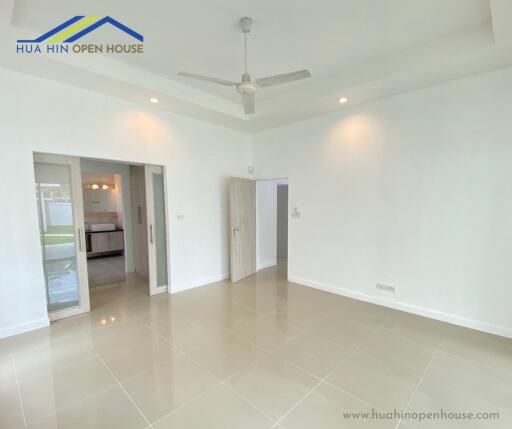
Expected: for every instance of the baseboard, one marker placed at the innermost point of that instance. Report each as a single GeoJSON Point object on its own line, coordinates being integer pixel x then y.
{"type": "Point", "coordinates": [409, 308]}
{"type": "Point", "coordinates": [23, 327]}
{"type": "Point", "coordinates": [267, 264]}
{"type": "Point", "coordinates": [198, 283]}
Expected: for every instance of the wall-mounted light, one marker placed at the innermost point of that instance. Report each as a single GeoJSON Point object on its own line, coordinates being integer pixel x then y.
{"type": "Point", "coordinates": [103, 186]}
{"type": "Point", "coordinates": [343, 100]}
{"type": "Point", "coordinates": [154, 100]}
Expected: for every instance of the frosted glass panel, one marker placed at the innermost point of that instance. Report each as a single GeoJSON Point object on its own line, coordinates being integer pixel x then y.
{"type": "Point", "coordinates": [160, 230]}
{"type": "Point", "coordinates": [57, 231]}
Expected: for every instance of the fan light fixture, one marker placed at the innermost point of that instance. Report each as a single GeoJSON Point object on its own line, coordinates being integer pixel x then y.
{"type": "Point", "coordinates": [343, 100]}
{"type": "Point", "coordinates": [154, 100]}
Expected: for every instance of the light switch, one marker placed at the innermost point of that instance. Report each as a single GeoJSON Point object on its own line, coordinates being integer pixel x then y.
{"type": "Point", "coordinates": [296, 212]}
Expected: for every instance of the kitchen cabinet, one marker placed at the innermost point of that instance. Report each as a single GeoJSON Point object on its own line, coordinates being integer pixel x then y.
{"type": "Point", "coordinates": [111, 241]}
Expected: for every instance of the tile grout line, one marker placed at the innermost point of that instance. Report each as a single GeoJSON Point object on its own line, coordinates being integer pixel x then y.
{"type": "Point", "coordinates": [324, 380]}
{"type": "Point", "coordinates": [231, 389]}
{"type": "Point", "coordinates": [474, 362]}
{"type": "Point", "coordinates": [18, 390]}
{"type": "Point", "coordinates": [73, 403]}
{"type": "Point", "coordinates": [278, 422]}
{"type": "Point", "coordinates": [149, 425]}
{"type": "Point", "coordinates": [187, 403]}
{"type": "Point", "coordinates": [409, 402]}
{"type": "Point", "coordinates": [222, 381]}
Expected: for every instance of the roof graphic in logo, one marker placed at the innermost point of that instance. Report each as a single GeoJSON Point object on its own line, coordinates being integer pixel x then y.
{"type": "Point", "coordinates": [77, 27]}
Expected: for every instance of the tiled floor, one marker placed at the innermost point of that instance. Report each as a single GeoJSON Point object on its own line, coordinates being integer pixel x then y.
{"type": "Point", "coordinates": [263, 353]}
{"type": "Point", "coordinates": [105, 270]}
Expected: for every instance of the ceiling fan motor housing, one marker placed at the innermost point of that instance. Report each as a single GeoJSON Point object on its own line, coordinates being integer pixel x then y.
{"type": "Point", "coordinates": [246, 24]}
{"type": "Point", "coordinates": [246, 88]}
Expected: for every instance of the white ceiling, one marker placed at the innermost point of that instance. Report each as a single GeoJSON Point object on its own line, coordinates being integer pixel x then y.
{"type": "Point", "coordinates": [365, 49]}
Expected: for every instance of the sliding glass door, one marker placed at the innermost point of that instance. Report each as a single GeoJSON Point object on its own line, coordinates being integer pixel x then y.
{"type": "Point", "coordinates": [157, 231]}
{"type": "Point", "coordinates": [61, 226]}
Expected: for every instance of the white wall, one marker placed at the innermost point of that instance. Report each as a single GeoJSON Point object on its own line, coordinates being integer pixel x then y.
{"type": "Point", "coordinates": [39, 115]}
{"type": "Point", "coordinates": [124, 207]}
{"type": "Point", "coordinates": [413, 191]}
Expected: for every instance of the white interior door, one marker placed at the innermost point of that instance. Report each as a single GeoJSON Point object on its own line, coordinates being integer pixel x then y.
{"type": "Point", "coordinates": [157, 229]}
{"type": "Point", "coordinates": [61, 226]}
{"type": "Point", "coordinates": [242, 203]}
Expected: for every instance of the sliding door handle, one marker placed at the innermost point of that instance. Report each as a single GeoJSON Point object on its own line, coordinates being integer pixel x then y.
{"type": "Point", "coordinates": [139, 217]}
{"type": "Point", "coordinates": [151, 234]}
{"type": "Point", "coordinates": [80, 243]}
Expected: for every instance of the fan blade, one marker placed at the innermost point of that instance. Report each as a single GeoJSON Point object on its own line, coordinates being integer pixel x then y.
{"type": "Point", "coordinates": [279, 79]}
{"type": "Point", "coordinates": [207, 78]}
{"type": "Point", "coordinates": [248, 101]}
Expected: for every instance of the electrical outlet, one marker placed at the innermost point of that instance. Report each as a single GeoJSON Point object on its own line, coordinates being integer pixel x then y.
{"type": "Point", "coordinates": [385, 287]}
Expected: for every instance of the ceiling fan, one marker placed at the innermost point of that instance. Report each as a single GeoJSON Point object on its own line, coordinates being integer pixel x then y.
{"type": "Point", "coordinates": [247, 87]}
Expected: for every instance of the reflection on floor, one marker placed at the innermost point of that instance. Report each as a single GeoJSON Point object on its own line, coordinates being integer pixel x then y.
{"type": "Point", "coordinates": [105, 270]}
{"type": "Point", "coordinates": [262, 353]}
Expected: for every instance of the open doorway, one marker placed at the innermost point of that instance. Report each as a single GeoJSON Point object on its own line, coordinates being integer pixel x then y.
{"type": "Point", "coordinates": [103, 225]}
{"type": "Point", "coordinates": [107, 219]}
{"type": "Point", "coordinates": [272, 223]}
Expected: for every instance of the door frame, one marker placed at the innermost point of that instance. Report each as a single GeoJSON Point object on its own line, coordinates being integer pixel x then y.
{"type": "Point", "coordinates": [73, 163]}
{"type": "Point", "coordinates": [78, 218]}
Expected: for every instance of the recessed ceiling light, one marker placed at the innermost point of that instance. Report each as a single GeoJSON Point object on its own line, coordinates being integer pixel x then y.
{"type": "Point", "coordinates": [343, 100]}
{"type": "Point", "coordinates": [154, 100]}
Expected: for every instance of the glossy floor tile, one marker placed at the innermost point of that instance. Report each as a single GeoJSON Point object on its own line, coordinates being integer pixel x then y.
{"type": "Point", "coordinates": [261, 353]}
{"type": "Point", "coordinates": [160, 390]}
{"type": "Point", "coordinates": [312, 353]}
{"type": "Point", "coordinates": [226, 356]}
{"type": "Point", "coordinates": [272, 385]}
{"type": "Point", "coordinates": [269, 332]}
{"type": "Point", "coordinates": [11, 413]}
{"type": "Point", "coordinates": [108, 409]}
{"type": "Point", "coordinates": [432, 397]}
{"type": "Point", "coordinates": [324, 408]}
{"type": "Point", "coordinates": [219, 408]}
{"type": "Point", "coordinates": [402, 352]}
{"type": "Point", "coordinates": [7, 371]}
{"type": "Point", "coordinates": [375, 382]}
{"type": "Point", "coordinates": [46, 393]}
{"type": "Point", "coordinates": [462, 375]}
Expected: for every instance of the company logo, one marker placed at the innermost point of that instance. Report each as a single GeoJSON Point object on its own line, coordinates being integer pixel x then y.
{"type": "Point", "coordinates": [63, 39]}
